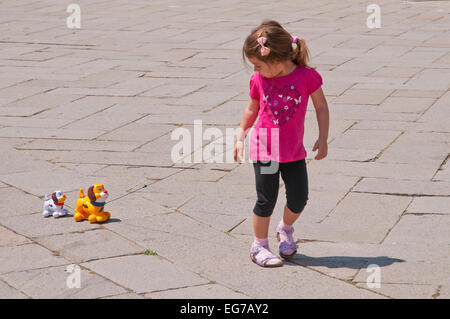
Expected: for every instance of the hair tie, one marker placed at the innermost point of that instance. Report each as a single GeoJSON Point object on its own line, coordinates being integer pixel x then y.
{"type": "Point", "coordinates": [294, 43]}
{"type": "Point", "coordinates": [264, 50]}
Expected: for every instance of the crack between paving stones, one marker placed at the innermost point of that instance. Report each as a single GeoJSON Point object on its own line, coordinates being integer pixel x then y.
{"type": "Point", "coordinates": [24, 116]}
{"type": "Point", "coordinates": [338, 65]}
{"type": "Point", "coordinates": [23, 191]}
{"type": "Point", "coordinates": [170, 97]}
{"type": "Point", "coordinates": [34, 242]}
{"type": "Point", "coordinates": [220, 104]}
{"type": "Point", "coordinates": [87, 116]}
{"type": "Point", "coordinates": [176, 288]}
{"type": "Point", "coordinates": [398, 220]}
{"type": "Point", "coordinates": [386, 148]}
{"type": "Point", "coordinates": [17, 289]}
{"type": "Point", "coordinates": [190, 57]}
{"type": "Point", "coordinates": [177, 211]}
{"type": "Point", "coordinates": [428, 108]}
{"type": "Point", "coordinates": [166, 232]}
{"type": "Point", "coordinates": [140, 146]}
{"type": "Point", "coordinates": [426, 214]}
{"type": "Point", "coordinates": [441, 167]}
{"type": "Point", "coordinates": [350, 127]}
{"type": "Point", "coordinates": [185, 202]}
{"type": "Point", "coordinates": [437, 292]}
{"type": "Point", "coordinates": [332, 210]}
{"type": "Point", "coordinates": [38, 61]}
{"type": "Point", "coordinates": [173, 77]}
{"type": "Point", "coordinates": [400, 194]}
{"type": "Point", "coordinates": [162, 258]}
{"type": "Point", "coordinates": [115, 164]}
{"type": "Point", "coordinates": [62, 150]}
{"type": "Point", "coordinates": [128, 290]}
{"type": "Point", "coordinates": [227, 41]}
{"type": "Point", "coordinates": [29, 96]}
{"type": "Point", "coordinates": [49, 43]}
{"type": "Point", "coordinates": [211, 282]}
{"type": "Point", "coordinates": [232, 228]}
{"type": "Point", "coordinates": [79, 264]}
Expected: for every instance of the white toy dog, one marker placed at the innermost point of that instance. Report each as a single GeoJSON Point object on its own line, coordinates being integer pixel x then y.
{"type": "Point", "coordinates": [54, 205]}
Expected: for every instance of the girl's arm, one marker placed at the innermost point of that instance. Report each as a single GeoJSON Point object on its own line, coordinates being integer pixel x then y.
{"type": "Point", "coordinates": [323, 119]}
{"type": "Point", "coordinates": [248, 118]}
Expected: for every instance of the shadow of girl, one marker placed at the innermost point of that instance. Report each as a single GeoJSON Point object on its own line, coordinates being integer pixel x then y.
{"type": "Point", "coordinates": [343, 261]}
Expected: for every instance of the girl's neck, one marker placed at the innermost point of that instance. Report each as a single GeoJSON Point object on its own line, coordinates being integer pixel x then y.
{"type": "Point", "coordinates": [286, 68]}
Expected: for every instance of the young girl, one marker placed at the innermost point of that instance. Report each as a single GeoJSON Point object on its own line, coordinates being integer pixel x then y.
{"type": "Point", "coordinates": [279, 92]}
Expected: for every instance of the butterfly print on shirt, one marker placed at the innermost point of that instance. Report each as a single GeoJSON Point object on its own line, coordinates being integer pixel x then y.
{"type": "Point", "coordinates": [281, 103]}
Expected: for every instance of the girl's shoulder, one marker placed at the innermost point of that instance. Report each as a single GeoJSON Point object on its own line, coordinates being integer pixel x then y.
{"type": "Point", "coordinates": [255, 76]}
{"type": "Point", "coordinates": [307, 69]}
{"type": "Point", "coordinates": [309, 73]}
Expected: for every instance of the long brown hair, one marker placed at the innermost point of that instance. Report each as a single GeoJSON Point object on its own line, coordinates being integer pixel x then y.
{"type": "Point", "coordinates": [279, 41]}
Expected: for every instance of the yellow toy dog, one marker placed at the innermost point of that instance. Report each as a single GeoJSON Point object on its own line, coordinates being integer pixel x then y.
{"type": "Point", "coordinates": [91, 206]}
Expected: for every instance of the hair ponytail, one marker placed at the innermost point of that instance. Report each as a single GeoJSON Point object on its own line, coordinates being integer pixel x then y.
{"type": "Point", "coordinates": [300, 56]}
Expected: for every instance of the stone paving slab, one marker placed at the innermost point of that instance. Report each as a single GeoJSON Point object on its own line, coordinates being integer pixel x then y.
{"type": "Point", "coordinates": [374, 170]}
{"type": "Point", "coordinates": [237, 273]}
{"type": "Point", "coordinates": [418, 272]}
{"type": "Point", "coordinates": [89, 245]}
{"type": "Point", "coordinates": [28, 256]}
{"type": "Point", "coordinates": [399, 264]}
{"type": "Point", "coordinates": [420, 231]}
{"type": "Point", "coordinates": [8, 292]}
{"type": "Point", "coordinates": [145, 273]}
{"type": "Point", "coordinates": [25, 203]}
{"type": "Point", "coordinates": [443, 174]}
{"type": "Point", "coordinates": [51, 283]}
{"type": "Point", "coordinates": [403, 187]}
{"type": "Point", "coordinates": [417, 148]}
{"type": "Point", "coordinates": [50, 180]}
{"type": "Point", "coordinates": [406, 104]}
{"type": "Point", "coordinates": [137, 131]}
{"type": "Point", "coordinates": [45, 226]}
{"type": "Point", "coordinates": [9, 238]}
{"type": "Point", "coordinates": [430, 205]}
{"type": "Point", "coordinates": [375, 215]}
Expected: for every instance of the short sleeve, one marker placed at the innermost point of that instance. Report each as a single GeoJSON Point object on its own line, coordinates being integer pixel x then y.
{"type": "Point", "coordinates": [314, 81]}
{"type": "Point", "coordinates": [254, 87]}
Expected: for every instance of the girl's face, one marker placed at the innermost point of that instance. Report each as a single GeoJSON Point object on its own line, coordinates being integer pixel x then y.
{"type": "Point", "coordinates": [267, 70]}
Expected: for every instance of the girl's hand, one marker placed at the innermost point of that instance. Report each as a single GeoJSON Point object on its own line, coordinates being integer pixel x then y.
{"type": "Point", "coordinates": [322, 146]}
{"type": "Point", "coordinates": [238, 151]}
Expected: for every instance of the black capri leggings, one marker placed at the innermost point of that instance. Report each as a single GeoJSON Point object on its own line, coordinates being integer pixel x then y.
{"type": "Point", "coordinates": [295, 179]}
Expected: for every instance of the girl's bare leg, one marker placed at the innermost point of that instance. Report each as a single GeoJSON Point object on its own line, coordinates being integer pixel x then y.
{"type": "Point", "coordinates": [289, 217]}
{"type": "Point", "coordinates": [261, 226]}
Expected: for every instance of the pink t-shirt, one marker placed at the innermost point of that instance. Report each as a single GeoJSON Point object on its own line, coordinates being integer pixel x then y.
{"type": "Point", "coordinates": [278, 134]}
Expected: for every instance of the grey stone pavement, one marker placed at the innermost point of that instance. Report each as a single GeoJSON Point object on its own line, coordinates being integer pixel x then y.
{"type": "Point", "coordinates": [98, 105]}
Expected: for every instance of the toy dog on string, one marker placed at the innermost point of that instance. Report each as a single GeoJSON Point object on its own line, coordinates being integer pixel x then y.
{"type": "Point", "coordinates": [54, 205]}
{"type": "Point", "coordinates": [91, 207]}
